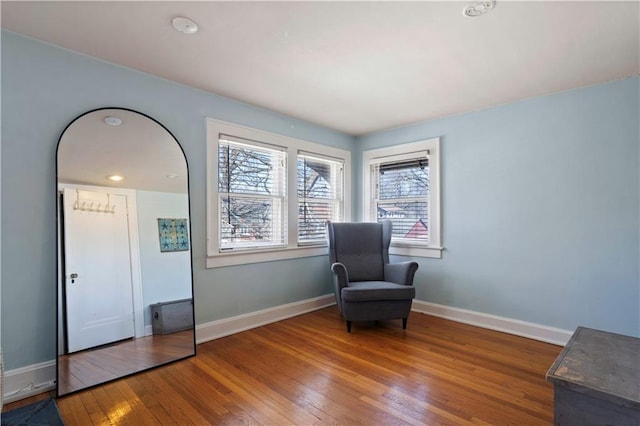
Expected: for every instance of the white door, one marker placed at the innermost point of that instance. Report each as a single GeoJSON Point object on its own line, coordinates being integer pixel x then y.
{"type": "Point", "coordinates": [98, 292]}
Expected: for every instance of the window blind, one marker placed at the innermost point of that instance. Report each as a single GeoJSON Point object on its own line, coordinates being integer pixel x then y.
{"type": "Point", "coordinates": [402, 195]}
{"type": "Point", "coordinates": [320, 191]}
{"type": "Point", "coordinates": [252, 194]}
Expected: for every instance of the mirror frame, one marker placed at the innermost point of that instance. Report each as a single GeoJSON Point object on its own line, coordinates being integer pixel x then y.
{"type": "Point", "coordinates": [58, 251]}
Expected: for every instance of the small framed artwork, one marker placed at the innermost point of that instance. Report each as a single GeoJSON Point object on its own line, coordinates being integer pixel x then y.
{"type": "Point", "coordinates": [174, 235]}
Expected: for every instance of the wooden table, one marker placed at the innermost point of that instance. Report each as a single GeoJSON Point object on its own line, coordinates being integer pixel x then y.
{"type": "Point", "coordinates": [596, 380]}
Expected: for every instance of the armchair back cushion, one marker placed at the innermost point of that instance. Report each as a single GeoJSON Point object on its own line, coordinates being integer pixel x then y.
{"type": "Point", "coordinates": [363, 248]}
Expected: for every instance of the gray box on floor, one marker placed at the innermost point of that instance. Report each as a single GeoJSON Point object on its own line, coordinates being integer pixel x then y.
{"type": "Point", "coordinates": [596, 380]}
{"type": "Point", "coordinates": [169, 317]}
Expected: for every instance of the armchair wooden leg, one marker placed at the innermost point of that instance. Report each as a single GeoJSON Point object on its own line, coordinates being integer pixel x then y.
{"type": "Point", "coordinates": [404, 323]}
{"type": "Point", "coordinates": [348, 326]}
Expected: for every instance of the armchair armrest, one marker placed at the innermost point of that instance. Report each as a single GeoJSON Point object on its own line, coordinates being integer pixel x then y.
{"type": "Point", "coordinates": [400, 273]}
{"type": "Point", "coordinates": [340, 276]}
{"type": "Point", "coordinates": [340, 280]}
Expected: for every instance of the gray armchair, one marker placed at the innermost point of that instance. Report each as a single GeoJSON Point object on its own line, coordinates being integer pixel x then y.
{"type": "Point", "coordinates": [367, 287]}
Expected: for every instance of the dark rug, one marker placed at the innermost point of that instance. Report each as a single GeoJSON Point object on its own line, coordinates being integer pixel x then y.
{"type": "Point", "coordinates": [39, 413]}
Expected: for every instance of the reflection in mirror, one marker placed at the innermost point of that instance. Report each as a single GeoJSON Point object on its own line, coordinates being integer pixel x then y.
{"type": "Point", "coordinates": [125, 293]}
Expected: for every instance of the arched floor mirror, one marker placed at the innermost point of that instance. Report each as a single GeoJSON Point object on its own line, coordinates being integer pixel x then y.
{"type": "Point", "coordinates": [125, 282]}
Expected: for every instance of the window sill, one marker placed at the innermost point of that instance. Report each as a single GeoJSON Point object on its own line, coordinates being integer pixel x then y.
{"type": "Point", "coordinates": [267, 255]}
{"type": "Point", "coordinates": [416, 251]}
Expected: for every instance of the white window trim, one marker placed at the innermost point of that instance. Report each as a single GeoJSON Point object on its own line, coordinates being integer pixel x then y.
{"type": "Point", "coordinates": [434, 247]}
{"type": "Point", "coordinates": [321, 157]}
{"type": "Point", "coordinates": [278, 200]}
{"type": "Point", "coordinates": [293, 146]}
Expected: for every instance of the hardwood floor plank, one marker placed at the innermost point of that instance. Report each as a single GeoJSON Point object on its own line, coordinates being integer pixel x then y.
{"type": "Point", "coordinates": [252, 391]}
{"type": "Point", "coordinates": [295, 381]}
{"type": "Point", "coordinates": [141, 415]}
{"type": "Point", "coordinates": [185, 380]}
{"type": "Point", "coordinates": [418, 413]}
{"type": "Point", "coordinates": [375, 382]}
{"type": "Point", "coordinates": [151, 396]}
{"type": "Point", "coordinates": [309, 371]}
{"type": "Point", "coordinates": [94, 410]}
{"type": "Point", "coordinates": [74, 412]}
{"type": "Point", "coordinates": [177, 405]}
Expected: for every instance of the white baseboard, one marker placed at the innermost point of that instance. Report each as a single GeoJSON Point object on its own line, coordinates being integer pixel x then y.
{"type": "Point", "coordinates": [227, 326]}
{"type": "Point", "coordinates": [37, 378]}
{"type": "Point", "coordinates": [27, 381]}
{"type": "Point", "coordinates": [556, 336]}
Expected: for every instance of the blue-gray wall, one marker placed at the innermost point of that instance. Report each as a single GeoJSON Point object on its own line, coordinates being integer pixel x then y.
{"type": "Point", "coordinates": [540, 202]}
{"type": "Point", "coordinates": [540, 208]}
{"type": "Point", "coordinates": [43, 89]}
{"type": "Point", "coordinates": [166, 276]}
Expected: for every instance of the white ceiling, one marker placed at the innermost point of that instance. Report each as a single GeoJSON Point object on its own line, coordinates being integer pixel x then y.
{"type": "Point", "coordinates": [356, 67]}
{"type": "Point", "coordinates": [140, 150]}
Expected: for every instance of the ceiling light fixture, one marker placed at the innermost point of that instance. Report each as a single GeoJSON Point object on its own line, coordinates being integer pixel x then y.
{"type": "Point", "coordinates": [115, 178]}
{"type": "Point", "coordinates": [112, 121]}
{"type": "Point", "coordinates": [478, 8]}
{"type": "Point", "coordinates": [184, 25]}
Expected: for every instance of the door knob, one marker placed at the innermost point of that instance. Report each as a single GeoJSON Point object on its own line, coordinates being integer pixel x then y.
{"type": "Point", "coordinates": [73, 277]}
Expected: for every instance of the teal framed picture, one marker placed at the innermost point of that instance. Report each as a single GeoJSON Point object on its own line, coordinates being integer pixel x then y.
{"type": "Point", "coordinates": [174, 234]}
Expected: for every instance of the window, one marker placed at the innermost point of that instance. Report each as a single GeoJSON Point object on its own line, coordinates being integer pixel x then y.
{"type": "Point", "coordinates": [402, 184]}
{"type": "Point", "coordinates": [319, 196]}
{"type": "Point", "coordinates": [269, 196]}
{"type": "Point", "coordinates": [251, 194]}
{"type": "Point", "coordinates": [402, 195]}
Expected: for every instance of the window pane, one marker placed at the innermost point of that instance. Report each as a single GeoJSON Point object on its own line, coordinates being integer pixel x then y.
{"type": "Point", "coordinates": [249, 171]}
{"type": "Point", "coordinates": [409, 218]}
{"type": "Point", "coordinates": [312, 219]}
{"type": "Point", "coordinates": [403, 182]}
{"type": "Point", "coordinates": [319, 190]}
{"type": "Point", "coordinates": [314, 179]}
{"type": "Point", "coordinates": [403, 195]}
{"type": "Point", "coordinates": [250, 222]}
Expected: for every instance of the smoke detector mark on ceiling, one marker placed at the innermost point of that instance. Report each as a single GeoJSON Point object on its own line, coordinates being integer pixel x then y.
{"type": "Point", "coordinates": [184, 25]}
{"type": "Point", "coordinates": [478, 8]}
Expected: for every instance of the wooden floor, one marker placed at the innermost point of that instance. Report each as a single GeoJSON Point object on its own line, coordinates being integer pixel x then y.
{"type": "Point", "coordinates": [308, 370]}
{"type": "Point", "coordinates": [87, 368]}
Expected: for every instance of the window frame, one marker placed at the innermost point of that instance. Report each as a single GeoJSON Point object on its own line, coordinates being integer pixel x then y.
{"type": "Point", "coordinates": [404, 247]}
{"type": "Point", "coordinates": [293, 146]}
{"type": "Point", "coordinates": [340, 200]}
{"type": "Point", "coordinates": [278, 199]}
